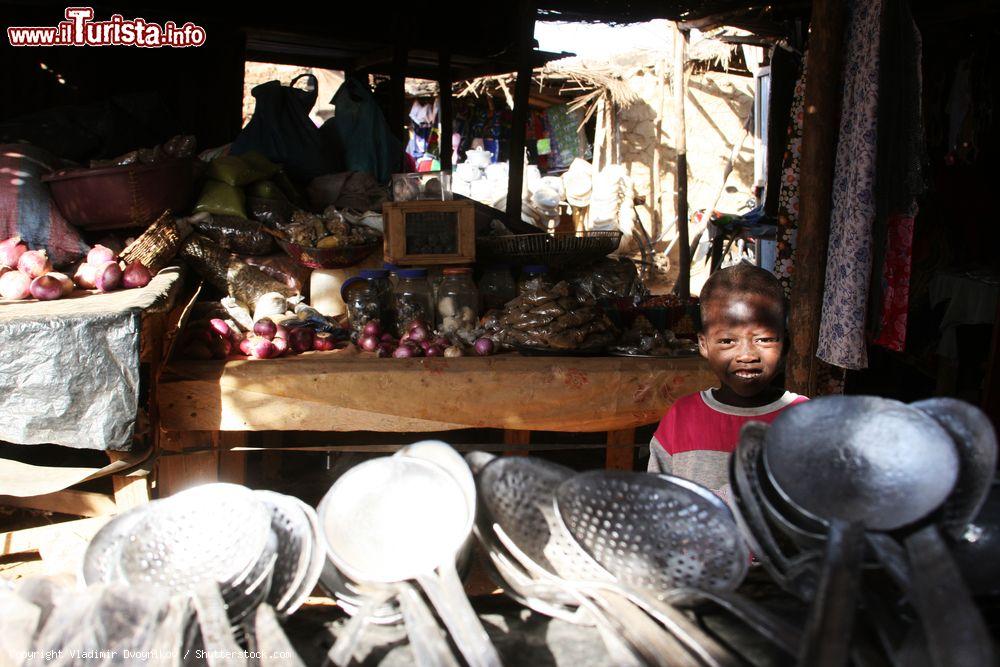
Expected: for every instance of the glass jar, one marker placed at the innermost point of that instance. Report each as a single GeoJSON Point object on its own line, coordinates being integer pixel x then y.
{"type": "Point", "coordinates": [532, 276]}
{"type": "Point", "coordinates": [457, 301]}
{"type": "Point", "coordinates": [497, 287]}
{"type": "Point", "coordinates": [412, 299]}
{"type": "Point", "coordinates": [368, 297]}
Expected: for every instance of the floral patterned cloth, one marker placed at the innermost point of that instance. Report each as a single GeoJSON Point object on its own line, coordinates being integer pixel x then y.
{"type": "Point", "coordinates": [788, 194]}
{"type": "Point", "coordinates": [849, 260]}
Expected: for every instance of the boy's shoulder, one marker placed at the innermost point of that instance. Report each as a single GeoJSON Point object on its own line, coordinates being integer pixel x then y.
{"type": "Point", "coordinates": [688, 403]}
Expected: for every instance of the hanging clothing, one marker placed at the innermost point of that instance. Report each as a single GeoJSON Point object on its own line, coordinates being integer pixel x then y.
{"type": "Point", "coordinates": [849, 261]}
{"type": "Point", "coordinates": [895, 302]}
{"type": "Point", "coordinates": [788, 194]}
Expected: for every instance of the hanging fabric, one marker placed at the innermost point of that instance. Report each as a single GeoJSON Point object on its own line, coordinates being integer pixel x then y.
{"type": "Point", "coordinates": [788, 194]}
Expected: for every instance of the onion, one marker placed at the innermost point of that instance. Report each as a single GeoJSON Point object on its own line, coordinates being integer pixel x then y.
{"type": "Point", "coordinates": [85, 276]}
{"type": "Point", "coordinates": [100, 254]}
{"type": "Point", "coordinates": [387, 338]}
{"type": "Point", "coordinates": [262, 348]}
{"type": "Point", "coordinates": [403, 351]}
{"type": "Point", "coordinates": [417, 350]}
{"type": "Point", "coordinates": [425, 345]}
{"type": "Point", "coordinates": [245, 346]}
{"type": "Point", "coordinates": [419, 333]}
{"type": "Point", "coordinates": [369, 343]}
{"type": "Point", "coordinates": [108, 277]}
{"type": "Point", "coordinates": [46, 288]}
{"type": "Point", "coordinates": [11, 251]}
{"type": "Point", "coordinates": [441, 342]}
{"type": "Point", "coordinates": [136, 275]}
{"type": "Point", "coordinates": [434, 351]}
{"type": "Point", "coordinates": [265, 328]}
{"type": "Point", "coordinates": [4, 269]}
{"type": "Point", "coordinates": [35, 263]}
{"type": "Point", "coordinates": [235, 337]}
{"type": "Point", "coordinates": [453, 351]}
{"type": "Point", "coordinates": [280, 346]}
{"type": "Point", "coordinates": [15, 285]}
{"type": "Point", "coordinates": [484, 347]}
{"type": "Point", "coordinates": [416, 323]}
{"type": "Point", "coordinates": [220, 348]}
{"type": "Point", "coordinates": [67, 284]}
{"type": "Point", "coordinates": [301, 339]}
{"type": "Point", "coordinates": [323, 342]}
{"type": "Point", "coordinates": [219, 326]}
{"type": "Point", "coordinates": [372, 328]}
{"type": "Point", "coordinates": [281, 331]}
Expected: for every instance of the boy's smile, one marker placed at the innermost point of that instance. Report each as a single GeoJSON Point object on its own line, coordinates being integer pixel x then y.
{"type": "Point", "coordinates": [742, 341]}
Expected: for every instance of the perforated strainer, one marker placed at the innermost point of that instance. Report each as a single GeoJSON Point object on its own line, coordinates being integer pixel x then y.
{"type": "Point", "coordinates": [295, 545]}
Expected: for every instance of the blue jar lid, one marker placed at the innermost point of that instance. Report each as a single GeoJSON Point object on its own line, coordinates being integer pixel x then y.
{"type": "Point", "coordinates": [412, 273]}
{"type": "Point", "coordinates": [391, 268]}
{"type": "Point", "coordinates": [373, 273]}
{"type": "Point", "coordinates": [535, 269]}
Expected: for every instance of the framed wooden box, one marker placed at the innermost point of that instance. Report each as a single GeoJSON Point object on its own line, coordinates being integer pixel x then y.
{"type": "Point", "coordinates": [430, 232]}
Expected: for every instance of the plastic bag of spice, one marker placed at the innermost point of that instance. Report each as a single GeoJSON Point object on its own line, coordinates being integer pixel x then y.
{"type": "Point", "coordinates": [237, 234]}
{"type": "Point", "coordinates": [284, 269]}
{"type": "Point", "coordinates": [221, 199]}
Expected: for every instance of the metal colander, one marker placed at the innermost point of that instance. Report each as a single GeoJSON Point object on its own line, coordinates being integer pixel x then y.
{"type": "Point", "coordinates": [654, 534]}
{"type": "Point", "coordinates": [295, 545]}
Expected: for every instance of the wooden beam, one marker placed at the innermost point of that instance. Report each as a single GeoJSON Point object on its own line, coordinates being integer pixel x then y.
{"type": "Point", "coordinates": [683, 286]}
{"type": "Point", "coordinates": [656, 173]}
{"type": "Point", "coordinates": [819, 147]}
{"type": "Point", "coordinates": [33, 539]}
{"type": "Point", "coordinates": [130, 491]}
{"type": "Point", "coordinates": [232, 465]}
{"type": "Point", "coordinates": [75, 503]}
{"type": "Point", "coordinates": [444, 93]}
{"type": "Point", "coordinates": [522, 88]}
{"type": "Point", "coordinates": [620, 454]}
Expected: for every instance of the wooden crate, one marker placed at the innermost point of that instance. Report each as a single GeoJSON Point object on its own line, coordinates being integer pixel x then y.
{"type": "Point", "coordinates": [430, 232]}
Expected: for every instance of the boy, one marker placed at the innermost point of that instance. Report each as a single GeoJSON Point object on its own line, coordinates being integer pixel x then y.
{"type": "Point", "coordinates": [742, 337]}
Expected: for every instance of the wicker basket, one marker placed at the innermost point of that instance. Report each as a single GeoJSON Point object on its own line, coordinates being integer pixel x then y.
{"type": "Point", "coordinates": [558, 250]}
{"type": "Point", "coordinates": [329, 258]}
{"type": "Point", "coordinates": [156, 247]}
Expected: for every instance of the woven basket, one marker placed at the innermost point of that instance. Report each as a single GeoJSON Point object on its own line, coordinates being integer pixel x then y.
{"type": "Point", "coordinates": [557, 250]}
{"type": "Point", "coordinates": [158, 245]}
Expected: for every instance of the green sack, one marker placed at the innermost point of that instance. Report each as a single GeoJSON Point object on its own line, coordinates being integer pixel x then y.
{"type": "Point", "coordinates": [220, 198]}
{"type": "Point", "coordinates": [267, 190]}
{"type": "Point", "coordinates": [265, 167]}
{"type": "Point", "coordinates": [233, 170]}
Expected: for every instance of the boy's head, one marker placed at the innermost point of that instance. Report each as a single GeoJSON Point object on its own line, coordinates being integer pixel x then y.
{"type": "Point", "coordinates": [742, 327]}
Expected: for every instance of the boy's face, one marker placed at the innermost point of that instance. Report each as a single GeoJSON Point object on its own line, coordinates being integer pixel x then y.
{"type": "Point", "coordinates": [742, 341]}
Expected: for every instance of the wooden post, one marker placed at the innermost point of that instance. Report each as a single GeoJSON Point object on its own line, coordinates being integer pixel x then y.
{"type": "Point", "coordinates": [444, 94]}
{"type": "Point", "coordinates": [620, 454]}
{"type": "Point", "coordinates": [599, 134]}
{"type": "Point", "coordinates": [656, 175]}
{"type": "Point", "coordinates": [683, 286]}
{"type": "Point", "coordinates": [525, 37]}
{"type": "Point", "coordinates": [819, 147]}
{"type": "Point", "coordinates": [518, 442]}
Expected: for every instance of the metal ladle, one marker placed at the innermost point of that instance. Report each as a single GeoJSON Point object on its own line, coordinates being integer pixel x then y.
{"type": "Point", "coordinates": [398, 518]}
{"type": "Point", "coordinates": [856, 463]}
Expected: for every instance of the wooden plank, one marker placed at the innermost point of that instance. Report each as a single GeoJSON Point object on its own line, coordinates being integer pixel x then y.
{"type": "Point", "coordinates": [819, 147]}
{"type": "Point", "coordinates": [621, 450]}
{"type": "Point", "coordinates": [525, 37]}
{"type": "Point", "coordinates": [130, 491]}
{"type": "Point", "coordinates": [683, 286]}
{"type": "Point", "coordinates": [33, 539]}
{"type": "Point", "coordinates": [177, 470]}
{"type": "Point", "coordinates": [76, 503]}
{"type": "Point", "coordinates": [444, 94]}
{"type": "Point", "coordinates": [271, 457]}
{"type": "Point", "coordinates": [232, 465]}
{"type": "Point", "coordinates": [337, 392]}
{"type": "Point", "coordinates": [518, 442]}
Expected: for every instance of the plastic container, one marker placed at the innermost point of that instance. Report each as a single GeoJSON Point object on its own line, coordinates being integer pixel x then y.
{"type": "Point", "coordinates": [531, 275]}
{"type": "Point", "coordinates": [368, 296]}
{"type": "Point", "coordinates": [325, 290]}
{"type": "Point", "coordinates": [497, 287]}
{"type": "Point", "coordinates": [412, 299]}
{"type": "Point", "coordinates": [457, 301]}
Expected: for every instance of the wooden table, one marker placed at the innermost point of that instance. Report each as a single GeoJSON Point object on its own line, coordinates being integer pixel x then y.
{"type": "Point", "coordinates": [210, 406]}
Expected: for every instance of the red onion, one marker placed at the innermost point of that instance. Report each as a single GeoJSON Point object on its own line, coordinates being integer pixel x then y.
{"type": "Point", "coordinates": [4, 269]}
{"type": "Point", "coordinates": [245, 346]}
{"type": "Point", "coordinates": [387, 338]}
{"type": "Point", "coordinates": [301, 339]}
{"type": "Point", "coordinates": [35, 263]}
{"type": "Point", "coordinates": [46, 288]}
{"type": "Point", "coordinates": [219, 326]}
{"type": "Point", "coordinates": [441, 342]}
{"type": "Point", "coordinates": [265, 328]}
{"type": "Point", "coordinates": [136, 275]}
{"type": "Point", "coordinates": [323, 342]}
{"type": "Point", "coordinates": [416, 323]}
{"type": "Point", "coordinates": [100, 254]}
{"type": "Point", "coordinates": [15, 285]}
{"type": "Point", "coordinates": [419, 333]}
{"type": "Point", "coordinates": [484, 347]}
{"type": "Point", "coordinates": [85, 276]}
{"type": "Point", "coordinates": [434, 351]}
{"type": "Point", "coordinates": [108, 277]}
{"type": "Point", "coordinates": [425, 345]}
{"type": "Point", "coordinates": [67, 284]}
{"type": "Point", "coordinates": [235, 337]}
{"type": "Point", "coordinates": [369, 343]}
{"type": "Point", "coordinates": [404, 339]}
{"type": "Point", "coordinates": [280, 346]}
{"type": "Point", "coordinates": [262, 348]}
{"type": "Point", "coordinates": [281, 331]}
{"type": "Point", "coordinates": [372, 328]}
{"type": "Point", "coordinates": [403, 351]}
{"type": "Point", "coordinates": [417, 350]}
{"type": "Point", "coordinates": [11, 251]}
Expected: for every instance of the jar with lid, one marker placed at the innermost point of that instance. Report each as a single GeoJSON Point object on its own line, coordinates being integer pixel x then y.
{"type": "Point", "coordinates": [457, 301]}
{"type": "Point", "coordinates": [532, 277]}
{"type": "Point", "coordinates": [412, 299]}
{"type": "Point", "coordinates": [497, 287]}
{"type": "Point", "coordinates": [368, 297]}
